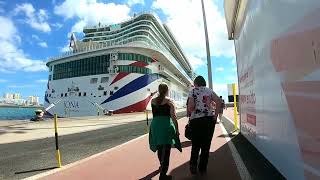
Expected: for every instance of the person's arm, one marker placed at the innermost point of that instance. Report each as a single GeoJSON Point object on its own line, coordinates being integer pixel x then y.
{"type": "Point", "coordinates": [216, 99]}
{"type": "Point", "coordinates": [174, 116]}
{"type": "Point", "coordinates": [191, 105]}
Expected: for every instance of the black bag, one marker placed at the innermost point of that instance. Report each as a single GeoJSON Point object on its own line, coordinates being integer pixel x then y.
{"type": "Point", "coordinates": [187, 131]}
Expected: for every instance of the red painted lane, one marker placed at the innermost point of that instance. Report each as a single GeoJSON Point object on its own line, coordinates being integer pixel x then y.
{"type": "Point", "coordinates": [135, 161]}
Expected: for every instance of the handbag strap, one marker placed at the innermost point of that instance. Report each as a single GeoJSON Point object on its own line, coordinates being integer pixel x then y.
{"type": "Point", "coordinates": [194, 102]}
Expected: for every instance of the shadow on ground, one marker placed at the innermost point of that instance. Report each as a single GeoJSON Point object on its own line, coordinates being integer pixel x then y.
{"type": "Point", "coordinates": [35, 170]}
{"type": "Point", "coordinates": [222, 166]}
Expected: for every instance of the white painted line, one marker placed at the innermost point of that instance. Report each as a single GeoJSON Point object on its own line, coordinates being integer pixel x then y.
{"type": "Point", "coordinates": [41, 175]}
{"type": "Point", "coordinates": [242, 169]}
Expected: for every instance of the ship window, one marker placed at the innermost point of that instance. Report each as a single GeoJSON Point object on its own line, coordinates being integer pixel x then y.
{"type": "Point", "coordinates": [116, 88]}
{"type": "Point", "coordinates": [100, 88]}
{"type": "Point", "coordinates": [104, 79]}
{"type": "Point", "coordinates": [61, 94]}
{"type": "Point", "coordinates": [65, 94]}
{"type": "Point", "coordinates": [50, 69]}
{"type": "Point", "coordinates": [130, 56]}
{"type": "Point", "coordinates": [79, 93]}
{"type": "Point", "coordinates": [105, 93]}
{"type": "Point", "coordinates": [49, 77]}
{"type": "Point", "coordinates": [111, 93]}
{"type": "Point", "coordinates": [84, 94]}
{"type": "Point", "coordinates": [93, 80]}
{"type": "Point", "coordinates": [49, 95]}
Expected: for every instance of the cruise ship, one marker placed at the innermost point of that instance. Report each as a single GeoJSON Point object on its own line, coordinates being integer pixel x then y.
{"type": "Point", "coordinates": [118, 68]}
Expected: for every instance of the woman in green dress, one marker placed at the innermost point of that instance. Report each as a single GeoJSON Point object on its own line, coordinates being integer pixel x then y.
{"type": "Point", "coordinates": [164, 131]}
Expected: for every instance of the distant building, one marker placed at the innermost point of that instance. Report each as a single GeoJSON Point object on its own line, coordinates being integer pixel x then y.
{"type": "Point", "coordinates": [33, 100]}
{"type": "Point", "coordinates": [8, 96]}
{"type": "Point", "coordinates": [16, 96]}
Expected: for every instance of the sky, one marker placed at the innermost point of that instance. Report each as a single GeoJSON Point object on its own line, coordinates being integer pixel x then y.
{"type": "Point", "coordinates": [33, 31]}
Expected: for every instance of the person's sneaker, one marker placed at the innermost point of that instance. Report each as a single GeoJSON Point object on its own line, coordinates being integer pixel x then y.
{"type": "Point", "coordinates": [193, 169]}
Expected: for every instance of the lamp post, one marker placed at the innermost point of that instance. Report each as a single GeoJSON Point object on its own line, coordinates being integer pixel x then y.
{"type": "Point", "coordinates": [207, 46]}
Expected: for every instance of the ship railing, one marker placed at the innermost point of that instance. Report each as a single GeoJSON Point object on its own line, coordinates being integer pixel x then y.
{"type": "Point", "coordinates": [101, 46]}
{"type": "Point", "coordinates": [126, 20]}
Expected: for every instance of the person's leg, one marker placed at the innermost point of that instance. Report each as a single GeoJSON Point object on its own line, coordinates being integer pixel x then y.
{"type": "Point", "coordinates": [159, 152]}
{"type": "Point", "coordinates": [165, 159]}
{"type": "Point", "coordinates": [195, 149]}
{"type": "Point", "coordinates": [194, 157]}
{"type": "Point", "coordinates": [205, 146]}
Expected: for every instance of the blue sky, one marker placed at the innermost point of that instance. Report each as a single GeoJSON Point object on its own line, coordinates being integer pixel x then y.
{"type": "Point", "coordinates": [37, 30]}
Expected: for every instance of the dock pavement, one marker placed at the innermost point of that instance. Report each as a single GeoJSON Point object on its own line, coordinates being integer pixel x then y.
{"type": "Point", "coordinates": [12, 131]}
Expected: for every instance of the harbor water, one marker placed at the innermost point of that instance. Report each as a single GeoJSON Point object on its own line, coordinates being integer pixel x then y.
{"type": "Point", "coordinates": [17, 113]}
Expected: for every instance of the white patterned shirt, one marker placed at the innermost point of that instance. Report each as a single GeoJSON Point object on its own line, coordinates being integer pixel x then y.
{"type": "Point", "coordinates": [203, 97]}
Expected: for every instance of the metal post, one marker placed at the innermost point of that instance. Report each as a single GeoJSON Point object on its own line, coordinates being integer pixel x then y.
{"type": "Point", "coordinates": [235, 107]}
{"type": "Point", "coordinates": [57, 142]}
{"type": "Point", "coordinates": [207, 46]}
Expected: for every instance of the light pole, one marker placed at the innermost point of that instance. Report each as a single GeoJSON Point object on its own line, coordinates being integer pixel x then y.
{"type": "Point", "coordinates": [207, 46]}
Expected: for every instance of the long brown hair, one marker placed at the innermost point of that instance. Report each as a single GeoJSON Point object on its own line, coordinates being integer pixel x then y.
{"type": "Point", "coordinates": [162, 89]}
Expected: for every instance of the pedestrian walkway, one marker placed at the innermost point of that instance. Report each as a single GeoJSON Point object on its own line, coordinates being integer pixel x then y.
{"type": "Point", "coordinates": [134, 160]}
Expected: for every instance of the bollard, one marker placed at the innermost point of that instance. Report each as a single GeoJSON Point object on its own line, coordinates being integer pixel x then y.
{"type": "Point", "coordinates": [57, 142]}
{"type": "Point", "coordinates": [235, 108]}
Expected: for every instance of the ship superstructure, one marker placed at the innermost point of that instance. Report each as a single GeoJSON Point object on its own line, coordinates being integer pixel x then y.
{"type": "Point", "coordinates": [118, 67]}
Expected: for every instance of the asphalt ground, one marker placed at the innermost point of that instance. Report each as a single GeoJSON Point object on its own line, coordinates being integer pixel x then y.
{"type": "Point", "coordinates": [24, 159]}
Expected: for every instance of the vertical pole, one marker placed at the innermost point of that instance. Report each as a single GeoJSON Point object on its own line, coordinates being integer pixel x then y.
{"type": "Point", "coordinates": [57, 143]}
{"type": "Point", "coordinates": [235, 107]}
{"type": "Point", "coordinates": [207, 45]}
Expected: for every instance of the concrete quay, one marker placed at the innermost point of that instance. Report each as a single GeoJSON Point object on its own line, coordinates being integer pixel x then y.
{"type": "Point", "coordinates": [12, 131]}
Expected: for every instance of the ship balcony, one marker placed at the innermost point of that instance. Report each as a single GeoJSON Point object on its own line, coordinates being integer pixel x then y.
{"type": "Point", "coordinates": [163, 71]}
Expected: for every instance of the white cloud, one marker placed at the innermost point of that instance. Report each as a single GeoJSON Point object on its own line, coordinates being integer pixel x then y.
{"type": "Point", "coordinates": [3, 80]}
{"type": "Point", "coordinates": [185, 21]}
{"type": "Point", "coordinates": [57, 25]}
{"type": "Point", "coordinates": [195, 61]}
{"type": "Point", "coordinates": [37, 20]}
{"type": "Point", "coordinates": [220, 69]}
{"type": "Point", "coordinates": [133, 2]}
{"type": "Point", "coordinates": [42, 81]}
{"type": "Point", "coordinates": [64, 49]}
{"type": "Point", "coordinates": [21, 86]}
{"type": "Point", "coordinates": [220, 89]}
{"type": "Point", "coordinates": [12, 58]}
{"type": "Point", "coordinates": [43, 44]}
{"type": "Point", "coordinates": [35, 37]}
{"type": "Point", "coordinates": [91, 12]}
{"type": "Point", "coordinates": [232, 78]}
